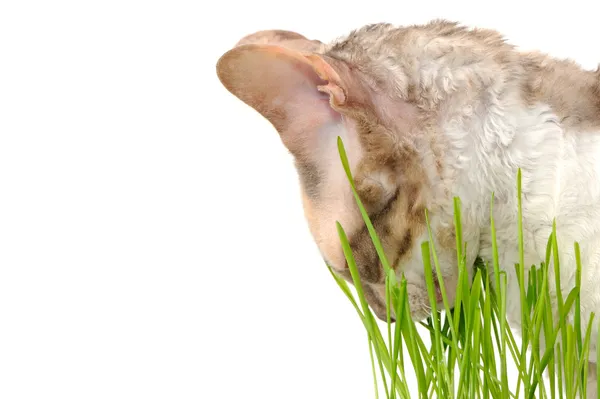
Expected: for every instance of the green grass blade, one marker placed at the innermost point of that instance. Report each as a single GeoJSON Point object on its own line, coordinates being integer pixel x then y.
{"type": "Point", "coordinates": [370, 324]}
{"type": "Point", "coordinates": [373, 368]}
{"type": "Point", "coordinates": [363, 212]}
{"type": "Point", "coordinates": [437, 341]}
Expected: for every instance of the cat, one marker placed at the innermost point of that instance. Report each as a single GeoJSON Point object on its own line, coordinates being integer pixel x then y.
{"type": "Point", "coordinates": [426, 113]}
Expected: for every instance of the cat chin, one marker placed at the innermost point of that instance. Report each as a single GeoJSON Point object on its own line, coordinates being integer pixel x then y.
{"type": "Point", "coordinates": [420, 306]}
{"type": "Point", "coordinates": [419, 303]}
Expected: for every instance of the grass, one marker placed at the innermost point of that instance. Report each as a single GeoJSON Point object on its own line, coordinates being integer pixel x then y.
{"type": "Point", "coordinates": [470, 341]}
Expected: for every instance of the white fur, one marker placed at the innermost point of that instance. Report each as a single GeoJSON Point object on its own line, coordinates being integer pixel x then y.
{"type": "Point", "coordinates": [473, 86]}
{"type": "Point", "coordinates": [560, 180]}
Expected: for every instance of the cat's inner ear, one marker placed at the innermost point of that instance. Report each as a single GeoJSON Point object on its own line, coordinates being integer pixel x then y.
{"type": "Point", "coordinates": [300, 94]}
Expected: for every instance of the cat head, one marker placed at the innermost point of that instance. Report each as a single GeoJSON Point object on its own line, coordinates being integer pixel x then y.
{"type": "Point", "coordinates": [312, 94]}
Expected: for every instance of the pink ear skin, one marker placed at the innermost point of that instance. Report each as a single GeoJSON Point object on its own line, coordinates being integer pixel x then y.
{"type": "Point", "coordinates": [296, 93]}
{"type": "Point", "coordinates": [327, 73]}
{"type": "Point", "coordinates": [283, 38]}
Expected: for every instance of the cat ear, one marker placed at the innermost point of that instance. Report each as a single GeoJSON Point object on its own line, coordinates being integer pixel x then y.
{"type": "Point", "coordinates": [283, 38]}
{"type": "Point", "coordinates": [297, 93]}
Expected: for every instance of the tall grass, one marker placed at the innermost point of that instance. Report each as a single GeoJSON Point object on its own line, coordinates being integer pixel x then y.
{"type": "Point", "coordinates": [470, 339]}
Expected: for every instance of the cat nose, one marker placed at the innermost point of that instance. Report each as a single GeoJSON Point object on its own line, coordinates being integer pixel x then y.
{"type": "Point", "coordinates": [383, 316]}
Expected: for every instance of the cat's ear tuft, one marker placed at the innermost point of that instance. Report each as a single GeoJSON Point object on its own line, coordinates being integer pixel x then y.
{"type": "Point", "coordinates": [296, 92]}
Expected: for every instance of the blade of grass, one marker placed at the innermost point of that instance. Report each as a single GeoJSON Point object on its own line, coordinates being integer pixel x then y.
{"type": "Point", "coordinates": [521, 279]}
{"type": "Point", "coordinates": [577, 320]}
{"type": "Point", "coordinates": [437, 341]}
{"type": "Point", "coordinates": [372, 329]}
{"type": "Point", "coordinates": [445, 300]}
{"type": "Point", "coordinates": [584, 359]}
{"type": "Point", "coordinates": [397, 347]}
{"type": "Point", "coordinates": [363, 212]}
{"type": "Point", "coordinates": [373, 368]}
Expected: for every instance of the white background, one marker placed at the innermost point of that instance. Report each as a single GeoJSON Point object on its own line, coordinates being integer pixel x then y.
{"type": "Point", "coordinates": [152, 242]}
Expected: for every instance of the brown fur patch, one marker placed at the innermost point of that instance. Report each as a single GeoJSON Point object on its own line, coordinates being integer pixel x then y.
{"type": "Point", "coordinates": [310, 177]}
{"type": "Point", "coordinates": [398, 219]}
{"type": "Point", "coordinates": [573, 93]}
{"type": "Point", "coordinates": [397, 224]}
{"type": "Point", "coordinates": [446, 237]}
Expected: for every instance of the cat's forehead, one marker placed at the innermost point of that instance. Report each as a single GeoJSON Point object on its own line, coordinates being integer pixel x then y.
{"type": "Point", "coordinates": [378, 41]}
{"type": "Point", "coordinates": [359, 38]}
